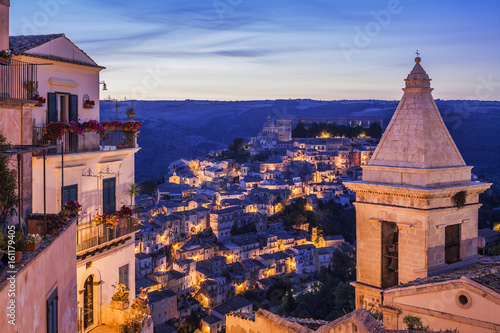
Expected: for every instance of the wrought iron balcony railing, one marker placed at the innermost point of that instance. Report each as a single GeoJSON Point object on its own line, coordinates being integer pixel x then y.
{"type": "Point", "coordinates": [73, 143]}
{"type": "Point", "coordinates": [90, 235]}
{"type": "Point", "coordinates": [18, 80]}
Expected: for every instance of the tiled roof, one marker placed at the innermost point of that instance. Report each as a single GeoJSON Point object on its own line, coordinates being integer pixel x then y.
{"type": "Point", "coordinates": [233, 304]}
{"type": "Point", "coordinates": [491, 281]}
{"type": "Point", "coordinates": [20, 44]}
{"type": "Point", "coordinates": [211, 319]}
{"type": "Point", "coordinates": [158, 295]}
{"type": "Point", "coordinates": [165, 329]}
{"type": "Point", "coordinates": [142, 255]}
{"type": "Point", "coordinates": [486, 272]}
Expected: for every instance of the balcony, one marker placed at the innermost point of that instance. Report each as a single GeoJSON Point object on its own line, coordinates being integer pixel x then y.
{"type": "Point", "coordinates": [90, 236]}
{"type": "Point", "coordinates": [18, 80]}
{"type": "Point", "coordinates": [87, 141]}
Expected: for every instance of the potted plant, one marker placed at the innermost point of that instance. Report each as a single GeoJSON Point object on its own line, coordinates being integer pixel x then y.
{"type": "Point", "coordinates": [56, 222]}
{"type": "Point", "coordinates": [120, 299]}
{"type": "Point", "coordinates": [20, 246]}
{"type": "Point", "coordinates": [31, 88]}
{"type": "Point", "coordinates": [33, 242]}
{"type": "Point", "coordinates": [71, 209]}
{"type": "Point", "coordinates": [88, 104]}
{"type": "Point", "coordinates": [131, 325]}
{"type": "Point", "coordinates": [39, 100]}
{"type": "Point", "coordinates": [8, 189]}
{"type": "Point", "coordinates": [140, 308]}
{"type": "Point", "coordinates": [130, 112]}
{"type": "Point", "coordinates": [5, 56]}
{"type": "Point", "coordinates": [93, 126]}
{"type": "Point", "coordinates": [110, 221]}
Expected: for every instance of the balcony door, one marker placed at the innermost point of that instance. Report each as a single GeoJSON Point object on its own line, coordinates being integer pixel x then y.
{"type": "Point", "coordinates": [64, 107]}
{"type": "Point", "coordinates": [108, 196]}
{"type": "Point", "coordinates": [88, 302]}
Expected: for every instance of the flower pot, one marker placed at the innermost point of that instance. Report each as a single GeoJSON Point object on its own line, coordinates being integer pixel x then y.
{"type": "Point", "coordinates": [32, 247]}
{"type": "Point", "coordinates": [19, 257]}
{"type": "Point", "coordinates": [118, 305]}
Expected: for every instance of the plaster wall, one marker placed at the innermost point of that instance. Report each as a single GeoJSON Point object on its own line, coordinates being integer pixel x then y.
{"type": "Point", "coordinates": [89, 188]}
{"type": "Point", "coordinates": [63, 77]}
{"type": "Point", "coordinates": [4, 24]}
{"type": "Point", "coordinates": [54, 267]}
{"type": "Point", "coordinates": [105, 269]}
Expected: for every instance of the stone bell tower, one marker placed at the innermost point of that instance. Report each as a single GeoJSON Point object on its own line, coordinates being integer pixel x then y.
{"type": "Point", "coordinates": [416, 207]}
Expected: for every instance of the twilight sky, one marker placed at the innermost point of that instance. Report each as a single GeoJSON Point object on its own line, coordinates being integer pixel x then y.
{"type": "Point", "coordinates": [257, 49]}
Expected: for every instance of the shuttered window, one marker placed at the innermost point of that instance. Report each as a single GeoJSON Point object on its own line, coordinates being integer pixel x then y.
{"type": "Point", "coordinates": [52, 108]}
{"type": "Point", "coordinates": [123, 275]}
{"type": "Point", "coordinates": [52, 313]}
{"type": "Point", "coordinates": [108, 196]}
{"type": "Point", "coordinates": [70, 193]}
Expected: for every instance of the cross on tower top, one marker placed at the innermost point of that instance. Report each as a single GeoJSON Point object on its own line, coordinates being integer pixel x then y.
{"type": "Point", "coordinates": [418, 54]}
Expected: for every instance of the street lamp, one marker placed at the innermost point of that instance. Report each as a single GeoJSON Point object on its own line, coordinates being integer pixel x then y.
{"type": "Point", "coordinates": [104, 87]}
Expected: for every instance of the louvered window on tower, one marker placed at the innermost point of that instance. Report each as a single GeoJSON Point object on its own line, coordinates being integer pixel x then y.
{"type": "Point", "coordinates": [52, 312]}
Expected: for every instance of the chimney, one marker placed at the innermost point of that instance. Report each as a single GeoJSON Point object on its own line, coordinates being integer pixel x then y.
{"type": "Point", "coordinates": [4, 24]}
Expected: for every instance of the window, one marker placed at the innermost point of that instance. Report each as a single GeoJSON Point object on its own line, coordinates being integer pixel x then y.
{"type": "Point", "coordinates": [452, 243]}
{"type": "Point", "coordinates": [123, 275]}
{"type": "Point", "coordinates": [70, 193]}
{"type": "Point", "coordinates": [52, 311]}
{"type": "Point", "coordinates": [108, 196]}
{"type": "Point", "coordinates": [390, 257]}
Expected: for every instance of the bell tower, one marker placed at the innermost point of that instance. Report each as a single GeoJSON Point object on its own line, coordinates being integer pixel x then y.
{"type": "Point", "coordinates": [416, 207]}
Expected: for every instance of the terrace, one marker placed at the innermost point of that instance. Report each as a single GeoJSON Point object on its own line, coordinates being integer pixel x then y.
{"type": "Point", "coordinates": [18, 80]}
{"type": "Point", "coordinates": [92, 136]}
{"type": "Point", "coordinates": [91, 237]}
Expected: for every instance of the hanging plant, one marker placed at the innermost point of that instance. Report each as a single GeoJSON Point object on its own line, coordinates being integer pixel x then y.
{"type": "Point", "coordinates": [459, 199]}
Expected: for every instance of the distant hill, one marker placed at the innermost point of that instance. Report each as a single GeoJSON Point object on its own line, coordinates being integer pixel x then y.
{"type": "Point", "coordinates": [175, 129]}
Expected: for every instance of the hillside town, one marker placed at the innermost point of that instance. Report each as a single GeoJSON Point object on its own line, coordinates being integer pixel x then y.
{"type": "Point", "coordinates": [206, 233]}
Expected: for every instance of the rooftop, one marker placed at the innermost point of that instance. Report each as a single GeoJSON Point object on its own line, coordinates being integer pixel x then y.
{"type": "Point", "coordinates": [486, 272]}
{"type": "Point", "coordinates": [233, 304]}
{"type": "Point", "coordinates": [158, 295]}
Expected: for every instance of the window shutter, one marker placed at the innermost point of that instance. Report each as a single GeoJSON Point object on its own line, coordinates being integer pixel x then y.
{"type": "Point", "coordinates": [56, 315]}
{"type": "Point", "coordinates": [109, 200]}
{"type": "Point", "coordinates": [73, 107]}
{"type": "Point", "coordinates": [112, 198]}
{"type": "Point", "coordinates": [105, 196]}
{"type": "Point", "coordinates": [123, 275]}
{"type": "Point", "coordinates": [51, 108]}
{"type": "Point", "coordinates": [52, 313]}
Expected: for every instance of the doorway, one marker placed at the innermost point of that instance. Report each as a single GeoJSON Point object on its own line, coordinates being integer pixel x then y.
{"type": "Point", "coordinates": [88, 302]}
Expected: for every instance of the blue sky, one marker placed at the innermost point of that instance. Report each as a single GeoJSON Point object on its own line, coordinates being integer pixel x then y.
{"type": "Point", "coordinates": [255, 49]}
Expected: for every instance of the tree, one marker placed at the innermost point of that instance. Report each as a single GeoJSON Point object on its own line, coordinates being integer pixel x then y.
{"type": "Point", "coordinates": [375, 131]}
{"type": "Point", "coordinates": [8, 194]}
{"type": "Point", "coordinates": [300, 131]}
{"type": "Point", "coordinates": [132, 191]}
{"type": "Point", "coordinates": [237, 145]}
{"type": "Point", "coordinates": [414, 323]}
{"type": "Point", "coordinates": [146, 187]}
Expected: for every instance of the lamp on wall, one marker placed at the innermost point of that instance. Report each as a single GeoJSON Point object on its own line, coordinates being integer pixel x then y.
{"type": "Point", "coordinates": [103, 85]}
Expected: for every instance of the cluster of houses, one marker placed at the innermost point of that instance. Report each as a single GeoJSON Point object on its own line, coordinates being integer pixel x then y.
{"type": "Point", "coordinates": [205, 235]}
